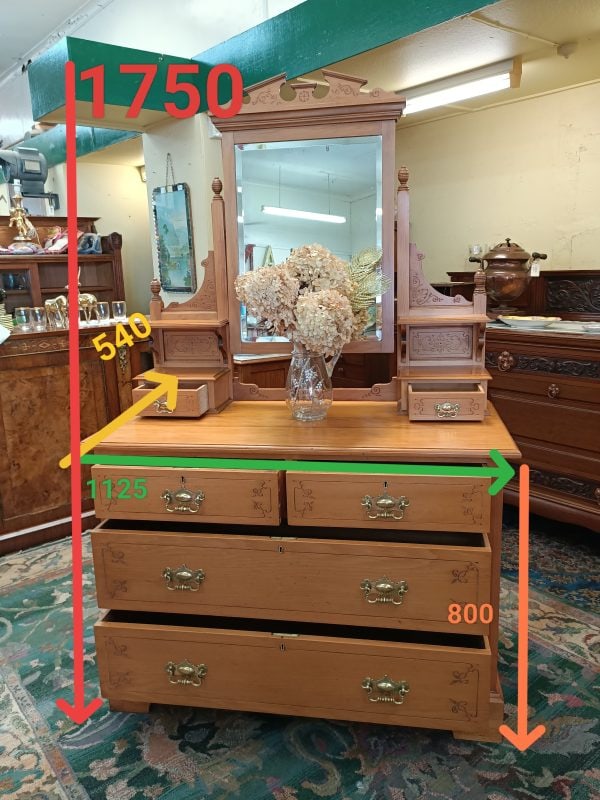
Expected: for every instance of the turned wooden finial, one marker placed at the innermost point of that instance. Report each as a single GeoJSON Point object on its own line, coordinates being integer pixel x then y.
{"type": "Point", "coordinates": [403, 179]}
{"type": "Point", "coordinates": [217, 186]}
{"type": "Point", "coordinates": [155, 287]}
{"type": "Point", "coordinates": [479, 279]}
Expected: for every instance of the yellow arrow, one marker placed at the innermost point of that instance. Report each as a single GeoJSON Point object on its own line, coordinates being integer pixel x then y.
{"type": "Point", "coordinates": [167, 384]}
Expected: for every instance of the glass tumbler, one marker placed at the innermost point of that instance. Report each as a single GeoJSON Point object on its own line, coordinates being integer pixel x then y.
{"type": "Point", "coordinates": [39, 319]}
{"type": "Point", "coordinates": [103, 313]}
{"type": "Point", "coordinates": [119, 310]}
{"type": "Point", "coordinates": [23, 319]}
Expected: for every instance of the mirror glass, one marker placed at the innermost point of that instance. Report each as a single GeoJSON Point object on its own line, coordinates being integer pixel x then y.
{"type": "Point", "coordinates": [324, 191]}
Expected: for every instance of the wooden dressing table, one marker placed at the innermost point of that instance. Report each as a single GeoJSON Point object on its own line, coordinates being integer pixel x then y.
{"type": "Point", "coordinates": [319, 592]}
{"type": "Point", "coordinates": [292, 615]}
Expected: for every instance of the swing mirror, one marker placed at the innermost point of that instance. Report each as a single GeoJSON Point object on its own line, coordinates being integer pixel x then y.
{"type": "Point", "coordinates": [307, 163]}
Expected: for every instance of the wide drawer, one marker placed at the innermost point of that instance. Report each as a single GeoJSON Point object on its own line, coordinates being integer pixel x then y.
{"type": "Point", "coordinates": [433, 680]}
{"type": "Point", "coordinates": [428, 400]}
{"type": "Point", "coordinates": [405, 585]}
{"type": "Point", "coordinates": [408, 502]}
{"type": "Point", "coordinates": [217, 495]}
{"type": "Point", "coordinates": [192, 400]}
{"type": "Point", "coordinates": [552, 387]}
{"type": "Point", "coordinates": [570, 424]}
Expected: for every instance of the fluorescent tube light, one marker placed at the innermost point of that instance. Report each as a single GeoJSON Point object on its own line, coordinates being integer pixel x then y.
{"type": "Point", "coordinates": [292, 212]}
{"type": "Point", "coordinates": [493, 78]}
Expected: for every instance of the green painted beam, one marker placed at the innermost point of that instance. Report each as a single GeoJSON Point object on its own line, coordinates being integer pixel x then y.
{"type": "Point", "coordinates": [46, 75]}
{"type": "Point", "coordinates": [318, 33]}
{"type": "Point", "coordinates": [52, 143]}
{"type": "Point", "coordinates": [314, 34]}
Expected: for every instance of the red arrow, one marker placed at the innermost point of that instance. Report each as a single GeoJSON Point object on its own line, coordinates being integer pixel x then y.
{"type": "Point", "coordinates": [79, 711]}
{"type": "Point", "coordinates": [522, 739]}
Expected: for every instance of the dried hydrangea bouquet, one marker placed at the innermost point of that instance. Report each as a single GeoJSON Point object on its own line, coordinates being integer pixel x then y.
{"type": "Point", "coordinates": [320, 303]}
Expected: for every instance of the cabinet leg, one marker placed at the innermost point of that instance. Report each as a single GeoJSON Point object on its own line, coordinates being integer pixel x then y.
{"type": "Point", "coordinates": [491, 734]}
{"type": "Point", "coordinates": [130, 706]}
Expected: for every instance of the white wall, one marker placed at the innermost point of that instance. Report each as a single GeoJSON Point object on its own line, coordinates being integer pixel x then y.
{"type": "Point", "coordinates": [196, 161]}
{"type": "Point", "coordinates": [529, 170]}
{"type": "Point", "coordinates": [117, 195]}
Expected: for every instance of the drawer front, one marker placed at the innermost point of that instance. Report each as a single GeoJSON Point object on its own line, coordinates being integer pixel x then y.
{"type": "Point", "coordinates": [551, 387]}
{"type": "Point", "coordinates": [314, 580]}
{"type": "Point", "coordinates": [406, 502]}
{"type": "Point", "coordinates": [445, 404]}
{"type": "Point", "coordinates": [551, 421]}
{"type": "Point", "coordinates": [229, 496]}
{"type": "Point", "coordinates": [329, 676]}
{"type": "Point", "coordinates": [191, 402]}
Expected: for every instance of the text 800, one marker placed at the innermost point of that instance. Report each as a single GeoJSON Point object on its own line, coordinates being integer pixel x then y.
{"type": "Point", "coordinates": [189, 94]}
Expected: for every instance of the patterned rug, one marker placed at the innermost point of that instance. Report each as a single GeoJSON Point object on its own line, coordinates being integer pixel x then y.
{"type": "Point", "coordinates": [182, 754]}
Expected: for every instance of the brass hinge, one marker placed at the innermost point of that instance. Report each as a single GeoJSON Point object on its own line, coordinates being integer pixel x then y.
{"type": "Point", "coordinates": [284, 538]}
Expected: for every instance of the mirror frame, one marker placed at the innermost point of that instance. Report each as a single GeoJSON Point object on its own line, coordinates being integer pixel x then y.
{"type": "Point", "coordinates": [315, 110]}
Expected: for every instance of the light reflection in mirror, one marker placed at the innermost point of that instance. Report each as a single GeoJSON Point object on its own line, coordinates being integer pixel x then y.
{"type": "Point", "coordinates": [325, 191]}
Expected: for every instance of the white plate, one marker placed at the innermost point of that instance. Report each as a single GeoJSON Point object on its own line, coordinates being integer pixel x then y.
{"type": "Point", "coordinates": [568, 326]}
{"type": "Point", "coordinates": [591, 327]}
{"type": "Point", "coordinates": [529, 322]}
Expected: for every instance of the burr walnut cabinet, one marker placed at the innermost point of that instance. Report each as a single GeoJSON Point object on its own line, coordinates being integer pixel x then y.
{"type": "Point", "coordinates": [300, 592]}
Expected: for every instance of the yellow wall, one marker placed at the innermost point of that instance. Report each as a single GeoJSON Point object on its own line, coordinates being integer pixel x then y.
{"type": "Point", "coordinates": [529, 170]}
{"type": "Point", "coordinates": [117, 195]}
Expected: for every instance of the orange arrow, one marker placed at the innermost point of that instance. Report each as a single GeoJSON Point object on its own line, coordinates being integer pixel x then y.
{"type": "Point", "coordinates": [167, 384]}
{"type": "Point", "coordinates": [522, 739]}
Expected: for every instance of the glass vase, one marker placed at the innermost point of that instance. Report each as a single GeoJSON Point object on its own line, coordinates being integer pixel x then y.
{"type": "Point", "coordinates": [309, 389]}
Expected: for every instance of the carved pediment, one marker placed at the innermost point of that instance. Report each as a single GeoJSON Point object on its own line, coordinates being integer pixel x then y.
{"type": "Point", "coordinates": [337, 95]}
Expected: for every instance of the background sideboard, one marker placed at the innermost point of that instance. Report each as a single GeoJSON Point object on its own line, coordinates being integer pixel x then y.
{"type": "Point", "coordinates": [34, 426]}
{"type": "Point", "coordinates": [546, 387]}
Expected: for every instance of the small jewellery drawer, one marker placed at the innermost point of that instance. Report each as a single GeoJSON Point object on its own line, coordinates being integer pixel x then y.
{"type": "Point", "coordinates": [212, 495]}
{"type": "Point", "coordinates": [446, 401]}
{"type": "Point", "coordinates": [192, 400]}
{"type": "Point", "coordinates": [409, 502]}
{"type": "Point", "coordinates": [436, 680]}
{"type": "Point", "coordinates": [341, 582]}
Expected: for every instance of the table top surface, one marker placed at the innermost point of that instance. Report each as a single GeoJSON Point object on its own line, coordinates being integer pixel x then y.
{"type": "Point", "coordinates": [352, 431]}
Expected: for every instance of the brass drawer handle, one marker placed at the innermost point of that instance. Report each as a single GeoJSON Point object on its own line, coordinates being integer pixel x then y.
{"type": "Point", "coordinates": [385, 506]}
{"type": "Point", "coordinates": [506, 361]}
{"type": "Point", "coordinates": [384, 590]}
{"type": "Point", "coordinates": [446, 410]}
{"type": "Point", "coordinates": [183, 578]}
{"type": "Point", "coordinates": [553, 391]}
{"type": "Point", "coordinates": [183, 501]}
{"type": "Point", "coordinates": [386, 690]}
{"type": "Point", "coordinates": [185, 673]}
{"type": "Point", "coordinates": [162, 408]}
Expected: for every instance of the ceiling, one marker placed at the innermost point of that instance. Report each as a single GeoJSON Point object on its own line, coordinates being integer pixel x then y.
{"type": "Point", "coordinates": [25, 31]}
{"type": "Point", "coordinates": [532, 29]}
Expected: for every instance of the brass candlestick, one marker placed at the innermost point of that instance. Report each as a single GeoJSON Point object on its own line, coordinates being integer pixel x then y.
{"type": "Point", "coordinates": [18, 218]}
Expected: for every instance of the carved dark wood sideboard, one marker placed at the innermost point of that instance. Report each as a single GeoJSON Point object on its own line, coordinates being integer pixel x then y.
{"type": "Point", "coordinates": [566, 293]}
{"type": "Point", "coordinates": [546, 387]}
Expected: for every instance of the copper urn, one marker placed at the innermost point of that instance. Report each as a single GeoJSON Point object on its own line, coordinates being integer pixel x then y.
{"type": "Point", "coordinates": [507, 272]}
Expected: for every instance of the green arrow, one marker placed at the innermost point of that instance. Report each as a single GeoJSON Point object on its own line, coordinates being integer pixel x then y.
{"type": "Point", "coordinates": [502, 472]}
